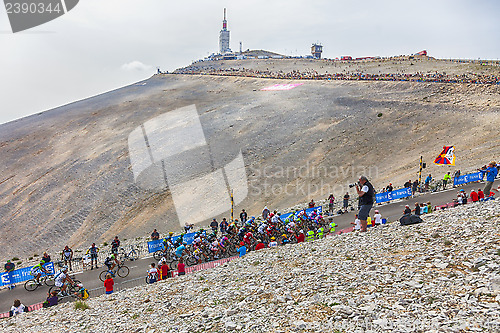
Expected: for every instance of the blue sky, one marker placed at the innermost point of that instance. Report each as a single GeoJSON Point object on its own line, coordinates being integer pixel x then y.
{"type": "Point", "coordinates": [104, 44]}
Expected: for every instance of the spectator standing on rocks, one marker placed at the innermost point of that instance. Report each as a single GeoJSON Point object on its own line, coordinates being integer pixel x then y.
{"type": "Point", "coordinates": [46, 257]}
{"type": "Point", "coordinates": [214, 225]}
{"type": "Point", "coordinates": [331, 201]}
{"type": "Point", "coordinates": [312, 203]}
{"type": "Point", "coordinates": [414, 187]}
{"type": "Point", "coordinates": [108, 284]}
{"type": "Point", "coordinates": [456, 174]}
{"type": "Point", "coordinates": [17, 308]}
{"type": "Point", "coordinates": [155, 235]}
{"type": "Point", "coordinates": [427, 182]}
{"type": "Point", "coordinates": [9, 268]}
{"type": "Point", "coordinates": [67, 256]}
{"type": "Point", "coordinates": [491, 173]}
{"type": "Point", "coordinates": [480, 194]}
{"type": "Point", "coordinates": [446, 179]}
{"type": "Point", "coordinates": [243, 216]}
{"type": "Point", "coordinates": [346, 201]}
{"type": "Point", "coordinates": [265, 213]}
{"type": "Point", "coordinates": [366, 194]}
{"type": "Point", "coordinates": [115, 244]}
{"type": "Point", "coordinates": [93, 251]}
{"type": "Point", "coordinates": [223, 225]}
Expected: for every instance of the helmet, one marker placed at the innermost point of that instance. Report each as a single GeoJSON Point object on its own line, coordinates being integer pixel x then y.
{"type": "Point", "coordinates": [64, 268]}
{"type": "Point", "coordinates": [376, 211]}
{"type": "Point", "coordinates": [42, 262]}
{"type": "Point", "coordinates": [184, 243]}
{"type": "Point", "coordinates": [272, 238]}
{"type": "Point", "coordinates": [171, 233]}
{"type": "Point", "coordinates": [80, 285]}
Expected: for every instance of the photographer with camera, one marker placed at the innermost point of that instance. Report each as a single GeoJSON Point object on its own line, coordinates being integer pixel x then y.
{"type": "Point", "coordinates": [366, 195]}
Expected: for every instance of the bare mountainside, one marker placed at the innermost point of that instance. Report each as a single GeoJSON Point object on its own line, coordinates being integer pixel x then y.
{"type": "Point", "coordinates": [67, 176]}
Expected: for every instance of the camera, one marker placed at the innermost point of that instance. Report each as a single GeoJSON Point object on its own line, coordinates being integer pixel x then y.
{"type": "Point", "coordinates": [352, 185]}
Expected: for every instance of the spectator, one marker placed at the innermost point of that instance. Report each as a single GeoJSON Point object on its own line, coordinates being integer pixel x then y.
{"type": "Point", "coordinates": [427, 182]}
{"type": "Point", "coordinates": [17, 308]}
{"type": "Point", "coordinates": [223, 225]}
{"type": "Point", "coordinates": [407, 184]}
{"type": "Point", "coordinates": [243, 216]}
{"type": "Point", "coordinates": [188, 227]}
{"type": "Point", "coordinates": [456, 174]}
{"type": "Point", "coordinates": [417, 209]}
{"type": "Point", "coordinates": [366, 194]}
{"type": "Point", "coordinates": [67, 256]}
{"type": "Point", "coordinates": [491, 173]}
{"type": "Point", "coordinates": [474, 196]}
{"type": "Point", "coordinates": [242, 250]}
{"type": "Point", "coordinates": [389, 188]}
{"type": "Point", "coordinates": [46, 257]}
{"type": "Point", "coordinates": [464, 197]}
{"type": "Point", "coordinates": [259, 245]}
{"type": "Point", "coordinates": [51, 299]}
{"type": "Point", "coordinates": [273, 242]}
{"type": "Point", "coordinates": [407, 210]}
{"type": "Point", "coordinates": [377, 217]}
{"type": "Point", "coordinates": [414, 187]}
{"type": "Point", "coordinates": [214, 225]}
{"type": "Point", "coordinates": [423, 209]}
{"type": "Point", "coordinates": [9, 268]}
{"type": "Point", "coordinates": [115, 244]}
{"type": "Point", "coordinates": [155, 235]}
{"type": "Point", "coordinates": [460, 198]}
{"type": "Point", "coordinates": [331, 201]}
{"type": "Point", "coordinates": [357, 223]}
{"type": "Point", "coordinates": [480, 194]}
{"type": "Point", "coordinates": [346, 201]}
{"type": "Point", "coordinates": [446, 179]}
{"type": "Point", "coordinates": [301, 237]}
{"type": "Point", "coordinates": [93, 251]}
{"type": "Point", "coordinates": [265, 213]}
{"type": "Point", "coordinates": [108, 284]}
{"type": "Point", "coordinates": [429, 207]}
{"type": "Point", "coordinates": [312, 204]}
{"type": "Point", "coordinates": [153, 273]}
{"type": "Point", "coordinates": [163, 266]}
{"type": "Point", "coordinates": [181, 267]}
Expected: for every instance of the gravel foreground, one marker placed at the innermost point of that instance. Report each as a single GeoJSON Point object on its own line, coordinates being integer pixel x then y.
{"type": "Point", "coordinates": [439, 276]}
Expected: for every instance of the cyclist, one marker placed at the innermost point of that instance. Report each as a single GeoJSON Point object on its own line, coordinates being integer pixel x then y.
{"type": "Point", "coordinates": [167, 242]}
{"type": "Point", "coordinates": [62, 280]}
{"type": "Point", "coordinates": [37, 270]}
{"type": "Point", "coordinates": [111, 262]}
{"type": "Point", "coordinates": [67, 255]}
{"type": "Point", "coordinates": [93, 250]}
{"type": "Point", "coordinates": [179, 251]}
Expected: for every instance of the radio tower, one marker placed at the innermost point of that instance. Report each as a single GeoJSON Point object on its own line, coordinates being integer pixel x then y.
{"type": "Point", "coordinates": [224, 37]}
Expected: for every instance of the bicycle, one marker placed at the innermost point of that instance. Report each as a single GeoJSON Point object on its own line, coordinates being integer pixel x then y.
{"type": "Point", "coordinates": [122, 271]}
{"type": "Point", "coordinates": [71, 289]}
{"type": "Point", "coordinates": [32, 285]}
{"type": "Point", "coordinates": [132, 255]}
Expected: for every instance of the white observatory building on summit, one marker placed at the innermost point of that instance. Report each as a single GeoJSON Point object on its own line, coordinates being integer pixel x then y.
{"type": "Point", "coordinates": [224, 37]}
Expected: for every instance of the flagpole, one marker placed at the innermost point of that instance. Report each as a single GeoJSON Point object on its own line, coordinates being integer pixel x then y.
{"type": "Point", "coordinates": [232, 206]}
{"type": "Point", "coordinates": [420, 172]}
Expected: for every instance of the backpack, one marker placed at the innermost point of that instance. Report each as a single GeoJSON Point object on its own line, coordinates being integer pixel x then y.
{"type": "Point", "coordinates": [410, 219]}
{"type": "Point", "coordinates": [85, 293]}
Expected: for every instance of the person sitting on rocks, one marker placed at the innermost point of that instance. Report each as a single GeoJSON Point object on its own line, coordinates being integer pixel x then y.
{"type": "Point", "coordinates": [17, 308]}
{"type": "Point", "coordinates": [407, 210]}
{"type": "Point", "coordinates": [155, 235]}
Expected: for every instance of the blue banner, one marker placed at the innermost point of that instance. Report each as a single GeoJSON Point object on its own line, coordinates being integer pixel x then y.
{"type": "Point", "coordinates": [156, 245]}
{"type": "Point", "coordinates": [471, 177]}
{"type": "Point", "coordinates": [23, 274]}
{"type": "Point", "coordinates": [319, 209]}
{"type": "Point", "coordinates": [393, 195]}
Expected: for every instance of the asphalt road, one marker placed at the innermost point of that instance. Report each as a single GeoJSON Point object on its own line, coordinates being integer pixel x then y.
{"type": "Point", "coordinates": [90, 278]}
